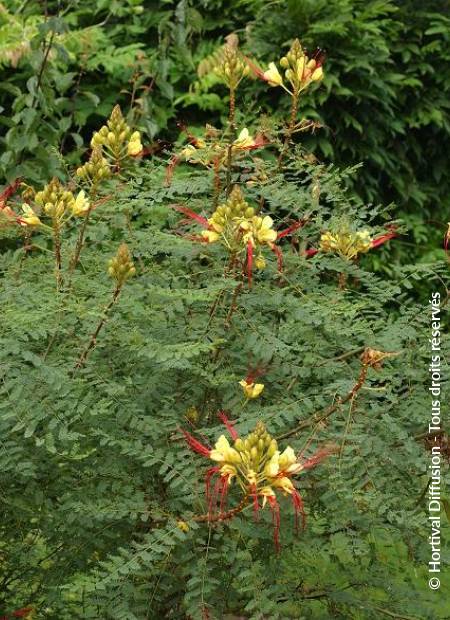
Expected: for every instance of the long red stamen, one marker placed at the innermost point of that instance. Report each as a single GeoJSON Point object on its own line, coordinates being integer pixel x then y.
{"type": "Point", "coordinates": [254, 495]}
{"type": "Point", "coordinates": [447, 239]}
{"type": "Point", "coordinates": [299, 508]}
{"type": "Point", "coordinates": [382, 239]}
{"type": "Point", "coordinates": [8, 192]}
{"type": "Point", "coordinates": [256, 70]}
{"type": "Point", "coordinates": [209, 497]}
{"type": "Point", "coordinates": [249, 262]}
{"type": "Point", "coordinates": [195, 445]}
{"type": "Point", "coordinates": [275, 508]}
{"type": "Point", "coordinates": [279, 256]}
{"type": "Point", "coordinates": [173, 162]}
{"type": "Point", "coordinates": [229, 424]}
{"type": "Point", "coordinates": [192, 214]}
{"type": "Point", "coordinates": [291, 229]}
{"type": "Point", "coordinates": [317, 457]}
{"type": "Point", "coordinates": [224, 491]}
{"type": "Point", "coordinates": [310, 252]}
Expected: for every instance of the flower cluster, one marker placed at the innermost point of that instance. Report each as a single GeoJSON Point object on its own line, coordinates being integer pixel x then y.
{"type": "Point", "coordinates": [229, 65]}
{"type": "Point", "coordinates": [300, 71]}
{"type": "Point", "coordinates": [236, 225]}
{"type": "Point", "coordinates": [211, 152]}
{"type": "Point", "coordinates": [258, 468]}
{"type": "Point", "coordinates": [121, 267]}
{"type": "Point", "coordinates": [55, 202]}
{"type": "Point", "coordinates": [117, 141]}
{"type": "Point", "coordinates": [95, 170]}
{"type": "Point", "coordinates": [241, 231]}
{"type": "Point", "coordinates": [346, 243]}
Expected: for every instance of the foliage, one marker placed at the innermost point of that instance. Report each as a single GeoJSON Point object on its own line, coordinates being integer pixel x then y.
{"type": "Point", "coordinates": [142, 297]}
{"type": "Point", "coordinates": [103, 508]}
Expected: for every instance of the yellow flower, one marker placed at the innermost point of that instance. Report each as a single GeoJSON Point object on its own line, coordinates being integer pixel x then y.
{"type": "Point", "coordinates": [228, 470]}
{"type": "Point", "coordinates": [188, 152]}
{"type": "Point", "coordinates": [251, 390]}
{"type": "Point", "coordinates": [273, 76]}
{"type": "Point", "coordinates": [272, 466]}
{"type": "Point", "coordinates": [223, 452]}
{"type": "Point", "coordinates": [81, 205]}
{"type": "Point", "coordinates": [317, 74]}
{"type": "Point", "coordinates": [265, 493]}
{"type": "Point", "coordinates": [182, 525]}
{"type": "Point", "coordinates": [265, 233]}
{"type": "Point", "coordinates": [284, 483]}
{"type": "Point", "coordinates": [260, 262]}
{"type": "Point", "coordinates": [134, 145]}
{"type": "Point", "coordinates": [210, 235]}
{"type": "Point", "coordinates": [29, 217]}
{"type": "Point", "coordinates": [289, 463]}
{"type": "Point", "coordinates": [244, 140]}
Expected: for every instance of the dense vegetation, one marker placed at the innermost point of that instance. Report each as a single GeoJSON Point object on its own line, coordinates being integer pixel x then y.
{"type": "Point", "coordinates": [169, 284]}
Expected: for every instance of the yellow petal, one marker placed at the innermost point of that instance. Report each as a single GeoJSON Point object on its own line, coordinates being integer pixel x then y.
{"type": "Point", "coordinates": [210, 235]}
{"type": "Point", "coordinates": [273, 76]}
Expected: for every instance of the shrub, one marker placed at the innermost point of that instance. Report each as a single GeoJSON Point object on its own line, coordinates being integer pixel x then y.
{"type": "Point", "coordinates": [140, 302]}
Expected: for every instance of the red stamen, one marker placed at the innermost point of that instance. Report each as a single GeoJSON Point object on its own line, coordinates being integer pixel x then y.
{"type": "Point", "coordinates": [290, 230]}
{"type": "Point", "coordinates": [249, 262]}
{"type": "Point", "coordinates": [229, 424]}
{"type": "Point", "coordinates": [209, 498]}
{"type": "Point", "coordinates": [317, 458]}
{"type": "Point", "coordinates": [192, 214]}
{"type": "Point", "coordinates": [21, 613]}
{"type": "Point", "coordinates": [310, 252]}
{"type": "Point", "coordinates": [195, 445]}
{"type": "Point", "coordinates": [256, 70]}
{"type": "Point", "coordinates": [173, 162]}
{"type": "Point", "coordinates": [447, 239]}
{"type": "Point", "coordinates": [254, 494]}
{"type": "Point", "coordinates": [279, 255]}
{"type": "Point", "coordinates": [297, 502]}
{"type": "Point", "coordinates": [224, 492]}
{"type": "Point", "coordinates": [275, 509]}
{"type": "Point", "coordinates": [382, 239]}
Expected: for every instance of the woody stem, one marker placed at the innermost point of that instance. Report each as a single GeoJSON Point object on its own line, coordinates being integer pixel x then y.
{"type": "Point", "coordinates": [332, 408]}
{"type": "Point", "coordinates": [232, 131]}
{"type": "Point", "coordinates": [93, 339]}
{"type": "Point", "coordinates": [290, 127]}
{"type": "Point", "coordinates": [222, 516]}
{"type": "Point", "coordinates": [80, 242]}
{"type": "Point", "coordinates": [58, 260]}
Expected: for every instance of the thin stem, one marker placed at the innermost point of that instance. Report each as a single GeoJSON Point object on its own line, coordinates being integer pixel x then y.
{"type": "Point", "coordinates": [232, 131]}
{"type": "Point", "coordinates": [80, 242]}
{"type": "Point", "coordinates": [58, 260]}
{"type": "Point", "coordinates": [233, 305]}
{"type": "Point", "coordinates": [93, 339]}
{"type": "Point", "coordinates": [222, 516]}
{"type": "Point", "coordinates": [290, 128]}
{"type": "Point", "coordinates": [331, 409]}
